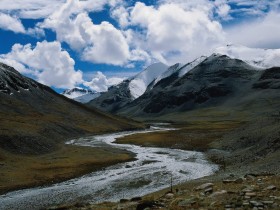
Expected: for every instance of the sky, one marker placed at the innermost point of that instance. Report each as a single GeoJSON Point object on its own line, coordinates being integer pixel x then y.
{"type": "Point", "coordinates": [98, 43]}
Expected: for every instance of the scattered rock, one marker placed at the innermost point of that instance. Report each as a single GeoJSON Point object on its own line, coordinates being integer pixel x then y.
{"type": "Point", "coordinates": [234, 196]}
{"type": "Point", "coordinates": [267, 202]}
{"type": "Point", "coordinates": [216, 194]}
{"type": "Point", "coordinates": [275, 205]}
{"type": "Point", "coordinates": [228, 181]}
{"type": "Point", "coordinates": [256, 204]}
{"type": "Point", "coordinates": [208, 190]}
{"type": "Point", "coordinates": [251, 194]}
{"type": "Point", "coordinates": [249, 177]}
{"type": "Point", "coordinates": [204, 186]}
{"type": "Point", "coordinates": [169, 195]}
{"type": "Point", "coordinates": [187, 202]}
{"type": "Point", "coordinates": [275, 197]}
{"type": "Point", "coordinates": [239, 181]}
{"type": "Point", "coordinates": [248, 189]}
{"type": "Point", "coordinates": [245, 203]}
{"type": "Point", "coordinates": [271, 187]}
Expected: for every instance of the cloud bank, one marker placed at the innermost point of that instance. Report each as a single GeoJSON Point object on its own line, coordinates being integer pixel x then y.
{"type": "Point", "coordinates": [169, 31]}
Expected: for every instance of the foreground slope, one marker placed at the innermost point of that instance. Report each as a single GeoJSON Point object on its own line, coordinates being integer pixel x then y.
{"type": "Point", "coordinates": [35, 122]}
{"type": "Point", "coordinates": [34, 119]}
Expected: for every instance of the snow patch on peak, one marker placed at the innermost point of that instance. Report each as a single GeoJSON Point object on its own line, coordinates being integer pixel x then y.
{"type": "Point", "coordinates": [80, 94]}
{"type": "Point", "coordinates": [261, 58]}
{"type": "Point", "coordinates": [182, 69]}
{"type": "Point", "coordinates": [189, 66]}
{"type": "Point", "coordinates": [77, 92]}
{"type": "Point", "coordinates": [171, 70]}
{"type": "Point", "coordinates": [139, 83]}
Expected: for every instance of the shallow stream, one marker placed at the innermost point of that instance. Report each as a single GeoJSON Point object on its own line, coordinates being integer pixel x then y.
{"type": "Point", "coordinates": [149, 173]}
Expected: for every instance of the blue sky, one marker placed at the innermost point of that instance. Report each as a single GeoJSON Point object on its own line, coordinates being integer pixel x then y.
{"type": "Point", "coordinates": [94, 44]}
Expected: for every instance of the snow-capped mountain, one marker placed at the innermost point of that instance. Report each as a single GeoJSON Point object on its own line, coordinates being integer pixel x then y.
{"type": "Point", "coordinates": [131, 89]}
{"type": "Point", "coordinates": [179, 69]}
{"type": "Point", "coordinates": [139, 83]}
{"type": "Point", "coordinates": [80, 94]}
{"type": "Point", "coordinates": [205, 80]}
{"type": "Point", "coordinates": [261, 58]}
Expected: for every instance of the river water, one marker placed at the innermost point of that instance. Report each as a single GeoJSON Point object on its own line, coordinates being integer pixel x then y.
{"type": "Point", "coordinates": [149, 173]}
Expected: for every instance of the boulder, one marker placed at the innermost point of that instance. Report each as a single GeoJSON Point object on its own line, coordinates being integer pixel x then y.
{"type": "Point", "coordinates": [204, 186]}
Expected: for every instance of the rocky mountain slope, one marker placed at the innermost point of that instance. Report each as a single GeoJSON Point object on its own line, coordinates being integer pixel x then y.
{"type": "Point", "coordinates": [127, 91]}
{"type": "Point", "coordinates": [119, 96]}
{"type": "Point", "coordinates": [215, 81]}
{"type": "Point", "coordinates": [35, 119]}
{"type": "Point", "coordinates": [80, 94]}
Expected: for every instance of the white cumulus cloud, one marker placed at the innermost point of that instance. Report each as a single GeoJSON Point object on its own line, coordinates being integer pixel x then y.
{"type": "Point", "coordinates": [263, 32]}
{"type": "Point", "coordinates": [37, 9]}
{"type": "Point", "coordinates": [174, 34]}
{"type": "Point", "coordinates": [169, 31]}
{"type": "Point", "coordinates": [11, 23]}
{"type": "Point", "coordinates": [97, 43]}
{"type": "Point", "coordinates": [100, 82]}
{"type": "Point", "coordinates": [107, 44]}
{"type": "Point", "coordinates": [47, 61]}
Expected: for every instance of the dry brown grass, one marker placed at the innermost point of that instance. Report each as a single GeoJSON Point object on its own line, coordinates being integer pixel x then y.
{"type": "Point", "coordinates": [192, 136]}
{"type": "Point", "coordinates": [21, 171]}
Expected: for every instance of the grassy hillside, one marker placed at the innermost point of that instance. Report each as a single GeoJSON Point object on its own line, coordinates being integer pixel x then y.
{"type": "Point", "coordinates": [35, 122]}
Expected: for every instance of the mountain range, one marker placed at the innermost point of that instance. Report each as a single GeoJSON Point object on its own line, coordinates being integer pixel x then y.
{"type": "Point", "coordinates": [208, 82]}
{"type": "Point", "coordinates": [34, 118]}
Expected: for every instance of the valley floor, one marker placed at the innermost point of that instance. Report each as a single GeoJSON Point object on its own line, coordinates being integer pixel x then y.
{"type": "Point", "coordinates": [25, 171]}
{"type": "Point", "coordinates": [247, 152]}
{"type": "Point", "coordinates": [248, 155]}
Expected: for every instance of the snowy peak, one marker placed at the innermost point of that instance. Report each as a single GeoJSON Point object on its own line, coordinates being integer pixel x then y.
{"type": "Point", "coordinates": [76, 92]}
{"type": "Point", "coordinates": [139, 83]}
{"type": "Point", "coordinates": [189, 66]}
{"type": "Point", "coordinates": [156, 72]}
{"type": "Point", "coordinates": [80, 94]}
{"type": "Point", "coordinates": [261, 58]}
{"type": "Point", "coordinates": [179, 69]}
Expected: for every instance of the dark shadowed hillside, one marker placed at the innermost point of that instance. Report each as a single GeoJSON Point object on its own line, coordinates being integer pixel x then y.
{"type": "Point", "coordinates": [34, 119]}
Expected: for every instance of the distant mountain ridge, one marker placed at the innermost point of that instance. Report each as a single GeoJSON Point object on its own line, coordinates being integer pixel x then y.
{"type": "Point", "coordinates": [206, 82]}
{"type": "Point", "coordinates": [81, 95]}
